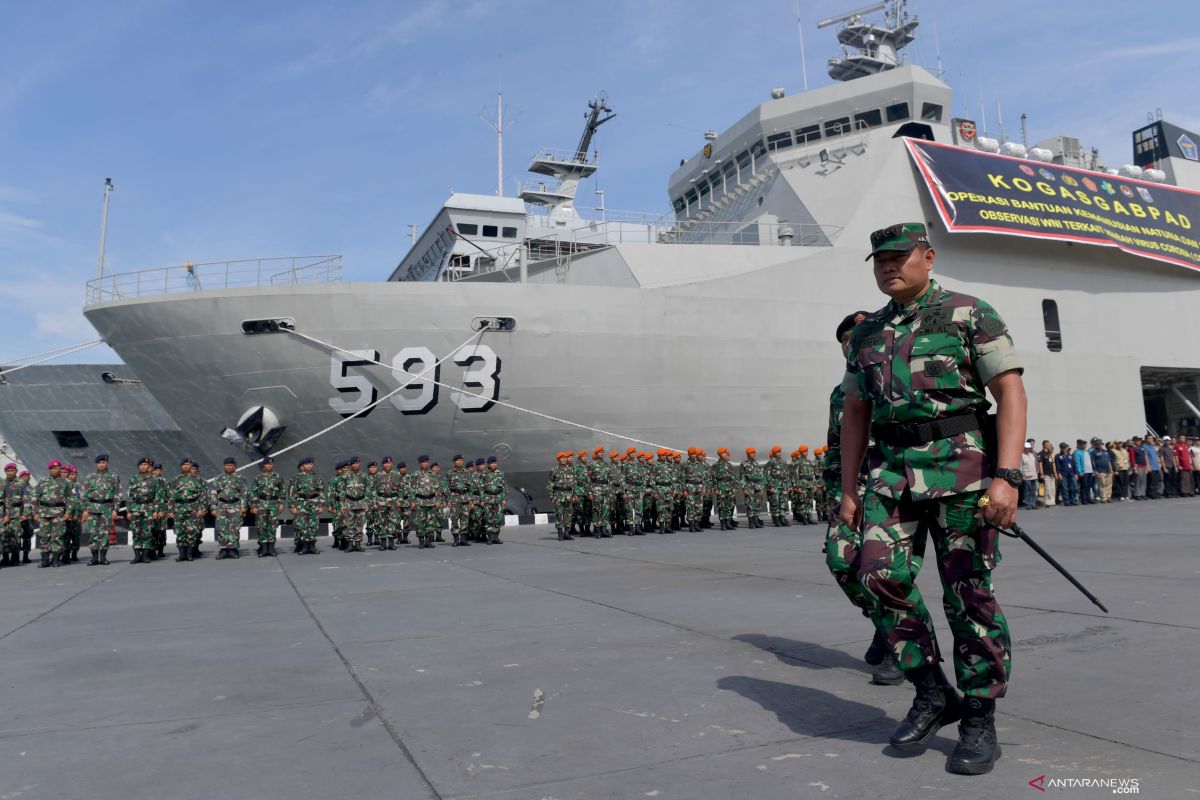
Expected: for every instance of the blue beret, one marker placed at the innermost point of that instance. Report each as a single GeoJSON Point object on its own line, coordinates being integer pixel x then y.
{"type": "Point", "coordinates": [267, 460]}
{"type": "Point", "coordinates": [479, 462]}
{"type": "Point", "coordinates": [185, 461]}
{"type": "Point", "coordinates": [230, 460]}
{"type": "Point", "coordinates": [422, 458]}
{"type": "Point", "coordinates": [102, 457]}
{"type": "Point", "coordinates": [372, 464]}
{"type": "Point", "coordinates": [491, 459]}
{"type": "Point", "coordinates": [456, 458]}
{"type": "Point", "coordinates": [386, 460]}
{"type": "Point", "coordinates": [306, 460]}
{"type": "Point", "coordinates": [434, 464]}
{"type": "Point", "coordinates": [145, 461]}
{"type": "Point", "coordinates": [157, 465]}
{"type": "Point", "coordinates": [353, 460]}
{"type": "Point", "coordinates": [401, 465]}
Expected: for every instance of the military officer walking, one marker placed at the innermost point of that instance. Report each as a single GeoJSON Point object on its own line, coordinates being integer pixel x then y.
{"type": "Point", "coordinates": [917, 377]}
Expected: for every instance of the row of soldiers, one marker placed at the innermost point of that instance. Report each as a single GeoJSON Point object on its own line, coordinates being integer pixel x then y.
{"type": "Point", "coordinates": [383, 503]}
{"type": "Point", "coordinates": [632, 492]}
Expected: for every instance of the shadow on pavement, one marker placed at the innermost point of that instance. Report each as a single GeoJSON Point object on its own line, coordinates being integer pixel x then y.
{"type": "Point", "coordinates": [804, 654]}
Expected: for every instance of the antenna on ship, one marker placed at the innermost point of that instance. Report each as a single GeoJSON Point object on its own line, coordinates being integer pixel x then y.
{"type": "Point", "coordinates": [598, 114]}
{"type": "Point", "coordinates": [498, 126]}
{"type": "Point", "coordinates": [108, 188]}
{"type": "Point", "coordinates": [803, 59]}
{"type": "Point", "coordinates": [876, 48]}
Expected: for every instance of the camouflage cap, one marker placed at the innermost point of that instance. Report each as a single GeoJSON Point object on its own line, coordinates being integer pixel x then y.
{"type": "Point", "coordinates": [901, 237]}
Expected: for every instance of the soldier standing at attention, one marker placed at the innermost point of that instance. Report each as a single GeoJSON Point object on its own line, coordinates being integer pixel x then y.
{"type": "Point", "coordinates": [100, 495]}
{"type": "Point", "coordinates": [776, 474]}
{"type": "Point", "coordinates": [563, 489]}
{"type": "Point", "coordinates": [694, 475]}
{"type": "Point", "coordinates": [495, 492]}
{"type": "Point", "coordinates": [917, 378]}
{"type": "Point", "coordinates": [461, 485]}
{"type": "Point", "coordinates": [266, 500]}
{"type": "Point", "coordinates": [306, 498]}
{"type": "Point", "coordinates": [142, 506]}
{"type": "Point", "coordinates": [227, 502]}
{"type": "Point", "coordinates": [385, 500]}
{"type": "Point", "coordinates": [74, 527]}
{"type": "Point", "coordinates": [27, 523]}
{"type": "Point", "coordinates": [428, 500]}
{"type": "Point", "coordinates": [354, 505]}
{"type": "Point", "coordinates": [50, 505]}
{"type": "Point", "coordinates": [15, 508]}
{"type": "Point", "coordinates": [337, 524]}
{"type": "Point", "coordinates": [753, 482]}
{"type": "Point", "coordinates": [371, 514]}
{"type": "Point", "coordinates": [158, 526]}
{"type": "Point", "coordinates": [474, 497]}
{"type": "Point", "coordinates": [724, 482]}
{"type": "Point", "coordinates": [187, 504]}
{"type": "Point", "coordinates": [616, 492]}
{"type": "Point", "coordinates": [404, 501]}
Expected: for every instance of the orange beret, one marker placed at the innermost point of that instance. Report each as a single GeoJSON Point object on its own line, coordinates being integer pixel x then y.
{"type": "Point", "coordinates": [721, 450]}
{"type": "Point", "coordinates": [750, 450]}
{"type": "Point", "coordinates": [803, 449]}
{"type": "Point", "coordinates": [631, 450]}
{"type": "Point", "coordinates": [614, 454]}
{"type": "Point", "coordinates": [583, 452]}
{"type": "Point", "coordinates": [776, 449]}
{"type": "Point", "coordinates": [599, 449]}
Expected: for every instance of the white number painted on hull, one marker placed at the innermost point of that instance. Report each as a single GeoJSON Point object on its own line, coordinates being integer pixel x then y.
{"type": "Point", "coordinates": [480, 380]}
{"type": "Point", "coordinates": [346, 383]}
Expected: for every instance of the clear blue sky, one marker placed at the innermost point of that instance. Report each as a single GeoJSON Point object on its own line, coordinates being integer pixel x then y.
{"type": "Point", "coordinates": [236, 130]}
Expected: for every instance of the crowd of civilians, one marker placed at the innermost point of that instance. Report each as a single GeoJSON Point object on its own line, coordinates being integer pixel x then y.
{"type": "Point", "coordinates": [1109, 472]}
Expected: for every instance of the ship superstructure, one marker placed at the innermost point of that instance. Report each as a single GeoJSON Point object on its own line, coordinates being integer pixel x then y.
{"type": "Point", "coordinates": [536, 329]}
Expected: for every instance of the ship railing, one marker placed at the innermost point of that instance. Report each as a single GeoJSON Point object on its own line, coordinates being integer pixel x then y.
{"type": "Point", "coordinates": [565, 155]}
{"type": "Point", "coordinates": [188, 277]}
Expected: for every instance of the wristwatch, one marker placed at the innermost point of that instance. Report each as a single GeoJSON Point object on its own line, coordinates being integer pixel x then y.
{"type": "Point", "coordinates": [1012, 475]}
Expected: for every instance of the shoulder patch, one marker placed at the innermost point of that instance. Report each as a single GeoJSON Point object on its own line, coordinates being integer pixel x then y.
{"type": "Point", "coordinates": [991, 326]}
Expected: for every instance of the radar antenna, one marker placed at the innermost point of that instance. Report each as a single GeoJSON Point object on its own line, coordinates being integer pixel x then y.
{"type": "Point", "coordinates": [869, 48]}
{"type": "Point", "coordinates": [599, 113]}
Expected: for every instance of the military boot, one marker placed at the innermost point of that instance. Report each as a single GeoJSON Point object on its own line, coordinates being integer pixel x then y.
{"type": "Point", "coordinates": [45, 560]}
{"type": "Point", "coordinates": [733, 523]}
{"type": "Point", "coordinates": [74, 554]}
{"type": "Point", "coordinates": [182, 554]}
{"type": "Point", "coordinates": [561, 538]}
{"type": "Point", "coordinates": [236, 552]}
{"type": "Point", "coordinates": [95, 562]}
{"type": "Point", "coordinates": [888, 673]}
{"type": "Point", "coordinates": [977, 749]}
{"type": "Point", "coordinates": [137, 557]}
{"type": "Point", "coordinates": [160, 553]}
{"type": "Point", "coordinates": [783, 521]}
{"type": "Point", "coordinates": [439, 538]}
{"type": "Point", "coordinates": [935, 706]}
{"type": "Point", "coordinates": [456, 539]}
{"type": "Point", "coordinates": [222, 554]}
{"type": "Point", "coordinates": [259, 552]}
{"type": "Point", "coordinates": [878, 650]}
{"type": "Point", "coordinates": [56, 559]}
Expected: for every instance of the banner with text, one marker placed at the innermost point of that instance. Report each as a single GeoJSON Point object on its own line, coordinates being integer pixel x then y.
{"type": "Point", "coordinates": [976, 191]}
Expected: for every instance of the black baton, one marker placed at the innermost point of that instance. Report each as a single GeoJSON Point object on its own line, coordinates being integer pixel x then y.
{"type": "Point", "coordinates": [1017, 533]}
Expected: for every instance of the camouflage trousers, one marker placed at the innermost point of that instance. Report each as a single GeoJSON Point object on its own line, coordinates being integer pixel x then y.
{"type": "Point", "coordinates": [10, 535]}
{"type": "Point", "coordinates": [428, 521]}
{"type": "Point", "coordinates": [305, 524]}
{"type": "Point", "coordinates": [493, 516]}
{"type": "Point", "coordinates": [141, 530]}
{"type": "Point", "coordinates": [633, 506]}
{"type": "Point", "coordinates": [602, 500]}
{"type": "Point", "coordinates": [777, 502]}
{"type": "Point", "coordinates": [228, 526]}
{"type": "Point", "coordinates": [188, 528]}
{"type": "Point", "coordinates": [96, 528]}
{"type": "Point", "coordinates": [50, 534]}
{"type": "Point", "coordinates": [893, 546]}
{"type": "Point", "coordinates": [266, 521]}
{"type": "Point", "coordinates": [564, 510]}
{"type": "Point", "coordinates": [843, 556]}
{"type": "Point", "coordinates": [460, 517]}
{"type": "Point", "coordinates": [158, 534]}
{"type": "Point", "coordinates": [389, 520]}
{"type": "Point", "coordinates": [726, 502]}
{"type": "Point", "coordinates": [754, 502]}
{"type": "Point", "coordinates": [694, 503]}
{"type": "Point", "coordinates": [71, 534]}
{"type": "Point", "coordinates": [354, 520]}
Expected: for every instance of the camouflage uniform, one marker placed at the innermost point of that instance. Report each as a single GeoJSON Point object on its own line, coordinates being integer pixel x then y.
{"type": "Point", "coordinates": [15, 506]}
{"type": "Point", "coordinates": [695, 476]}
{"type": "Point", "coordinates": [158, 526]}
{"type": "Point", "coordinates": [73, 530]}
{"type": "Point", "coordinates": [724, 481]}
{"type": "Point", "coordinates": [100, 494]}
{"type": "Point", "coordinates": [385, 502]}
{"type": "Point", "coordinates": [461, 492]}
{"type": "Point", "coordinates": [931, 359]}
{"type": "Point", "coordinates": [306, 496]}
{"type": "Point", "coordinates": [227, 502]}
{"type": "Point", "coordinates": [374, 520]}
{"type": "Point", "coordinates": [495, 493]}
{"type": "Point", "coordinates": [600, 488]}
{"type": "Point", "coordinates": [634, 478]}
{"type": "Point", "coordinates": [354, 508]}
{"type": "Point", "coordinates": [662, 493]}
{"type": "Point", "coordinates": [142, 502]}
{"type": "Point", "coordinates": [333, 495]}
{"type": "Point", "coordinates": [428, 498]}
{"type": "Point", "coordinates": [777, 480]}
{"type": "Point", "coordinates": [564, 490]}
{"type": "Point", "coordinates": [52, 500]}
{"type": "Point", "coordinates": [404, 503]}
{"type": "Point", "coordinates": [188, 500]}
{"type": "Point", "coordinates": [798, 488]}
{"type": "Point", "coordinates": [583, 509]}
{"type": "Point", "coordinates": [477, 530]}
{"type": "Point", "coordinates": [267, 500]}
{"type": "Point", "coordinates": [753, 481]}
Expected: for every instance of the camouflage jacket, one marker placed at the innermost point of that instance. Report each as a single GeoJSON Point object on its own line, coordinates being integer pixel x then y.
{"type": "Point", "coordinates": [777, 474]}
{"type": "Point", "coordinates": [634, 476]}
{"type": "Point", "coordinates": [461, 485]}
{"type": "Point", "coordinates": [227, 491]}
{"type": "Point", "coordinates": [723, 478]}
{"type": "Point", "coordinates": [662, 479]}
{"type": "Point", "coordinates": [387, 490]}
{"type": "Point", "coordinates": [187, 494]}
{"type": "Point", "coordinates": [753, 477]}
{"type": "Point", "coordinates": [74, 499]}
{"type": "Point", "coordinates": [100, 493]}
{"type": "Point", "coordinates": [306, 491]}
{"type": "Point", "coordinates": [267, 492]}
{"type": "Point", "coordinates": [16, 500]}
{"type": "Point", "coordinates": [494, 486]}
{"type": "Point", "coordinates": [928, 359]}
{"type": "Point", "coordinates": [52, 497]}
{"type": "Point", "coordinates": [695, 476]}
{"type": "Point", "coordinates": [333, 492]}
{"type": "Point", "coordinates": [426, 488]}
{"type": "Point", "coordinates": [164, 493]}
{"type": "Point", "coordinates": [144, 495]}
{"type": "Point", "coordinates": [354, 489]}
{"type": "Point", "coordinates": [563, 483]}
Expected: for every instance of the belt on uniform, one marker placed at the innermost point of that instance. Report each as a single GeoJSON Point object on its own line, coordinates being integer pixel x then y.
{"type": "Point", "coordinates": [600, 483]}
{"type": "Point", "coordinates": [308, 496]}
{"type": "Point", "coordinates": [695, 483]}
{"type": "Point", "coordinates": [52, 505]}
{"type": "Point", "coordinates": [459, 491]}
{"type": "Point", "coordinates": [489, 491]}
{"type": "Point", "coordinates": [914, 434]}
{"type": "Point", "coordinates": [424, 497]}
{"type": "Point", "coordinates": [563, 488]}
{"type": "Point", "coordinates": [100, 502]}
{"type": "Point", "coordinates": [228, 499]}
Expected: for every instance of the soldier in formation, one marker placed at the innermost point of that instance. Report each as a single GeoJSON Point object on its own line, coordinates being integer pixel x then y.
{"type": "Point", "coordinates": [187, 504]}
{"type": "Point", "coordinates": [753, 488]}
{"type": "Point", "coordinates": [429, 499]}
{"type": "Point", "coordinates": [51, 505]}
{"type": "Point", "coordinates": [306, 499]}
{"type": "Point", "coordinates": [143, 507]}
{"type": "Point", "coordinates": [266, 498]}
{"type": "Point", "coordinates": [100, 497]}
{"type": "Point", "coordinates": [16, 507]}
{"type": "Point", "coordinates": [494, 488]}
{"type": "Point", "coordinates": [227, 504]}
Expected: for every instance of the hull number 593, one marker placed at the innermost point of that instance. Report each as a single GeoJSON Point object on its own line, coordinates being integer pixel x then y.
{"type": "Point", "coordinates": [481, 377]}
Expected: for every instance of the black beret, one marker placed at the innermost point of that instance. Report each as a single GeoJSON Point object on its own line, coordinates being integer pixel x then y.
{"type": "Point", "coordinates": [306, 460]}
{"type": "Point", "coordinates": [421, 459]}
{"type": "Point", "coordinates": [457, 458]}
{"type": "Point", "coordinates": [479, 462]}
{"type": "Point", "coordinates": [102, 457]}
{"type": "Point", "coordinates": [353, 460]}
{"type": "Point", "coordinates": [185, 461]}
{"type": "Point", "coordinates": [145, 461]}
{"type": "Point", "coordinates": [230, 460]}
{"type": "Point", "coordinates": [386, 460]}
{"type": "Point", "coordinates": [402, 465]}
{"type": "Point", "coordinates": [372, 464]}
{"type": "Point", "coordinates": [491, 459]}
{"type": "Point", "coordinates": [157, 465]}
{"type": "Point", "coordinates": [849, 322]}
{"type": "Point", "coordinates": [267, 460]}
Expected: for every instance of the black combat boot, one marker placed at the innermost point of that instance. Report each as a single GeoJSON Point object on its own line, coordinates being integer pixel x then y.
{"type": "Point", "coordinates": [878, 650]}
{"type": "Point", "coordinates": [259, 551]}
{"type": "Point", "coordinates": [439, 538]}
{"type": "Point", "coordinates": [74, 554]}
{"type": "Point", "coordinates": [160, 553]}
{"type": "Point", "coordinates": [236, 552]}
{"type": "Point", "coordinates": [196, 554]}
{"type": "Point", "coordinates": [95, 562]}
{"type": "Point", "coordinates": [222, 554]}
{"type": "Point", "coordinates": [137, 557]}
{"type": "Point", "coordinates": [733, 523]}
{"type": "Point", "coordinates": [888, 672]}
{"type": "Point", "coordinates": [977, 749]}
{"type": "Point", "coordinates": [783, 522]}
{"type": "Point", "coordinates": [182, 554]}
{"type": "Point", "coordinates": [935, 706]}
{"type": "Point", "coordinates": [25, 556]}
{"type": "Point", "coordinates": [45, 560]}
{"type": "Point", "coordinates": [56, 559]}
